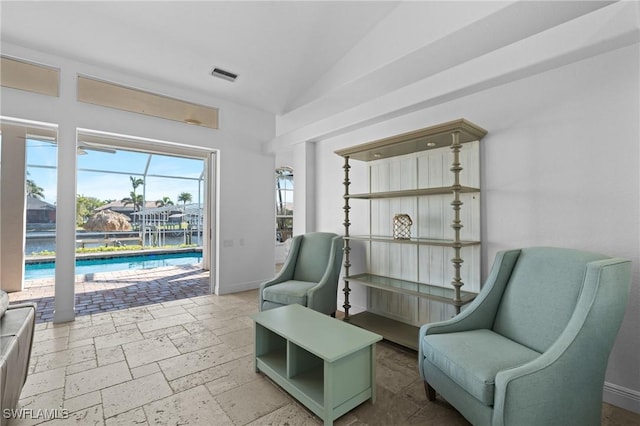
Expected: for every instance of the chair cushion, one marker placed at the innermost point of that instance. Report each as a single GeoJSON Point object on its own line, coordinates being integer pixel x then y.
{"type": "Point", "coordinates": [288, 292]}
{"type": "Point", "coordinates": [266, 305]}
{"type": "Point", "coordinates": [473, 358]}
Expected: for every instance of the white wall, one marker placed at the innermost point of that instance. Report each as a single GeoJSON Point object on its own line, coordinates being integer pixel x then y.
{"type": "Point", "coordinates": [304, 193]}
{"type": "Point", "coordinates": [246, 204]}
{"type": "Point", "coordinates": [560, 167]}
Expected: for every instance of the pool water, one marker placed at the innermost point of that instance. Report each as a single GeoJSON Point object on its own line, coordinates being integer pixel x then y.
{"type": "Point", "coordinates": [90, 266]}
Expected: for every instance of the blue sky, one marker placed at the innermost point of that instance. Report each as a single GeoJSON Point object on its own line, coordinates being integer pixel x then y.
{"type": "Point", "coordinates": [106, 186]}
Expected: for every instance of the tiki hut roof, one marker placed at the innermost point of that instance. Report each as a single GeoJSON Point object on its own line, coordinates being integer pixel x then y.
{"type": "Point", "coordinates": [107, 220]}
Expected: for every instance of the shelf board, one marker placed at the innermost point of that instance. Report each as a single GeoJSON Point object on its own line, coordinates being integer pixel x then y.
{"type": "Point", "coordinates": [433, 137]}
{"type": "Point", "coordinates": [412, 288]}
{"type": "Point", "coordinates": [443, 190]}
{"type": "Point", "coordinates": [308, 388]}
{"type": "Point", "coordinates": [392, 330]}
{"type": "Point", "coordinates": [276, 360]}
{"type": "Point", "coordinates": [311, 384]}
{"type": "Point", "coordinates": [417, 241]}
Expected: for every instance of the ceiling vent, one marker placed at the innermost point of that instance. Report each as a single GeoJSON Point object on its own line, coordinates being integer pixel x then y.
{"type": "Point", "coordinates": [225, 75]}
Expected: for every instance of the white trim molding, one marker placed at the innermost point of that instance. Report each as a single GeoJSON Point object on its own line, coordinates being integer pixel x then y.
{"type": "Point", "coordinates": [619, 396]}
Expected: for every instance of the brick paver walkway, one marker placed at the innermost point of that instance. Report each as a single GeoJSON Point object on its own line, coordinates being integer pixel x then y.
{"type": "Point", "coordinates": [109, 291]}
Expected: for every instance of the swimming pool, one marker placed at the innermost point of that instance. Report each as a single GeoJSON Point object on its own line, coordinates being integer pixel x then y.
{"type": "Point", "coordinates": [120, 263]}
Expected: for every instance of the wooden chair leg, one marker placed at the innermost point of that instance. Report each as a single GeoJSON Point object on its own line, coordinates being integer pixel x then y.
{"type": "Point", "coordinates": [431, 392]}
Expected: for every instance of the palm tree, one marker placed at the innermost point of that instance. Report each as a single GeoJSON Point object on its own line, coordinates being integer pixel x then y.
{"type": "Point", "coordinates": [166, 201]}
{"type": "Point", "coordinates": [34, 190]}
{"type": "Point", "coordinates": [133, 198]}
{"type": "Point", "coordinates": [136, 182]}
{"type": "Point", "coordinates": [184, 197]}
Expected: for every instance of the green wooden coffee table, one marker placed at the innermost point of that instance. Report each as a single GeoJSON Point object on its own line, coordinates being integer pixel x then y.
{"type": "Point", "coordinates": [326, 364]}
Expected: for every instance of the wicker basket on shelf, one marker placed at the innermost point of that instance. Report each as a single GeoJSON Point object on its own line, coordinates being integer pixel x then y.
{"type": "Point", "coordinates": [402, 226]}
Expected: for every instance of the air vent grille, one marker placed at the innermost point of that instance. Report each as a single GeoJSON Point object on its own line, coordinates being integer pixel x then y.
{"type": "Point", "coordinates": [225, 75]}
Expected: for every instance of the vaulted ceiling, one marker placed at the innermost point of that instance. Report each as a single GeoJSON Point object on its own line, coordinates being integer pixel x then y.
{"type": "Point", "coordinates": [278, 49]}
{"type": "Point", "coordinates": [293, 58]}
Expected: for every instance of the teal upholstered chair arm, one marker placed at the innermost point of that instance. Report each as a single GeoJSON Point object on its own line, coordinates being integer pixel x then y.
{"type": "Point", "coordinates": [567, 378]}
{"type": "Point", "coordinates": [286, 273]}
{"type": "Point", "coordinates": [322, 295]}
{"type": "Point", "coordinates": [481, 312]}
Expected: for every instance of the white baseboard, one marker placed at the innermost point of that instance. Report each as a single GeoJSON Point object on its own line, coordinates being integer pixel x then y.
{"type": "Point", "coordinates": [622, 397]}
{"type": "Point", "coordinates": [238, 287]}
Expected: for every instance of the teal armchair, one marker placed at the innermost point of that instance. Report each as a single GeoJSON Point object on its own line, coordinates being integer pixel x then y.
{"type": "Point", "coordinates": [532, 348]}
{"type": "Point", "coordinates": [309, 276]}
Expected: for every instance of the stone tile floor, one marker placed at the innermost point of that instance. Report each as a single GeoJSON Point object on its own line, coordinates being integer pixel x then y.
{"type": "Point", "coordinates": [189, 360]}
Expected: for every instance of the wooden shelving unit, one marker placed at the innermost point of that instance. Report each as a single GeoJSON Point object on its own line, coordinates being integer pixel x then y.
{"type": "Point", "coordinates": [445, 141]}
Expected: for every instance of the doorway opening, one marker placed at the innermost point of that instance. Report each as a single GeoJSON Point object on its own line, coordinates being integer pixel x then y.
{"type": "Point", "coordinates": [146, 196]}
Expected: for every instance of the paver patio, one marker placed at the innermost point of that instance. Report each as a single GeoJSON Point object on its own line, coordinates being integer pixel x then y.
{"type": "Point", "coordinates": [109, 291]}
